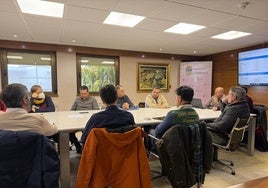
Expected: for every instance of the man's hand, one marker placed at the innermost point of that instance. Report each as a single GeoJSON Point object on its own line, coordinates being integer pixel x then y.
{"type": "Point", "coordinates": [125, 106]}
{"type": "Point", "coordinates": [33, 108]}
{"type": "Point", "coordinates": [161, 106]}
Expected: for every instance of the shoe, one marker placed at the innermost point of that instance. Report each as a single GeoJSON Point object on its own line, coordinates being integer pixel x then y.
{"type": "Point", "coordinates": [78, 148]}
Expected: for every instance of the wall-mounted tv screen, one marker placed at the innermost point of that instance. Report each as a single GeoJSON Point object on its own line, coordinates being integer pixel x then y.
{"type": "Point", "coordinates": [253, 67]}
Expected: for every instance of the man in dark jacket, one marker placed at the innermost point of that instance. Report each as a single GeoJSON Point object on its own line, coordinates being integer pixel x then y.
{"type": "Point", "coordinates": [234, 106]}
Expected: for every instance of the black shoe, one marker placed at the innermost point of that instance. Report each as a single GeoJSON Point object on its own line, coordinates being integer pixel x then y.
{"type": "Point", "coordinates": [78, 148]}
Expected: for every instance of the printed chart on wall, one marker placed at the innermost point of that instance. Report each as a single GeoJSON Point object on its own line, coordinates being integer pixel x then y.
{"type": "Point", "coordinates": [198, 75]}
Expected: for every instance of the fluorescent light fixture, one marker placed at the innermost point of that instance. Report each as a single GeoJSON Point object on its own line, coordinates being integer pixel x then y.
{"type": "Point", "coordinates": [107, 62]}
{"type": "Point", "coordinates": [230, 35]}
{"type": "Point", "coordinates": [14, 57]}
{"type": "Point", "coordinates": [84, 61]}
{"type": "Point", "coordinates": [121, 19]}
{"type": "Point", "coordinates": [43, 8]}
{"type": "Point", "coordinates": [184, 28]}
{"type": "Point", "coordinates": [45, 58]}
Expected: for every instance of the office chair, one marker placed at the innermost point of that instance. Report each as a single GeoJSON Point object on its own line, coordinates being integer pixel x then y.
{"type": "Point", "coordinates": [114, 159]}
{"type": "Point", "coordinates": [159, 174]}
{"type": "Point", "coordinates": [185, 154]}
{"type": "Point", "coordinates": [27, 159]}
{"type": "Point", "coordinates": [235, 137]}
{"type": "Point", "coordinates": [141, 105]}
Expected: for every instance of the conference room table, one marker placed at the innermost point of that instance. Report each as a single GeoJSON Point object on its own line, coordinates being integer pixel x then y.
{"type": "Point", "coordinates": [69, 121]}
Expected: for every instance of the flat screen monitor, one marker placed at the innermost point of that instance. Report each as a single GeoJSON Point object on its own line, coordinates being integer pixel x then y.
{"type": "Point", "coordinates": [253, 67]}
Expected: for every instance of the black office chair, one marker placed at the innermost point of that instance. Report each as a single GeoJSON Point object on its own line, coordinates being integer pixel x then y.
{"type": "Point", "coordinates": [141, 104]}
{"type": "Point", "coordinates": [27, 159]}
{"type": "Point", "coordinates": [235, 137]}
{"type": "Point", "coordinates": [185, 154]}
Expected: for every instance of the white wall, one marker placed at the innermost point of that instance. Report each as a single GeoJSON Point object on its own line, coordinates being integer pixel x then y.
{"type": "Point", "coordinates": [128, 78]}
{"type": "Point", "coordinates": [66, 76]}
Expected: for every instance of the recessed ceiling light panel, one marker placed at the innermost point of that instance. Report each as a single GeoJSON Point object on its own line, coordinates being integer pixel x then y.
{"type": "Point", "coordinates": [14, 57]}
{"type": "Point", "coordinates": [231, 35]}
{"type": "Point", "coordinates": [121, 19]}
{"type": "Point", "coordinates": [184, 28]}
{"type": "Point", "coordinates": [107, 62]}
{"type": "Point", "coordinates": [84, 61]}
{"type": "Point", "coordinates": [42, 8]}
{"type": "Point", "coordinates": [45, 58]}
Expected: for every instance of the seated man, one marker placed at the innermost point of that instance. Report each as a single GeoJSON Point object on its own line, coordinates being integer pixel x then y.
{"type": "Point", "coordinates": [215, 101]}
{"type": "Point", "coordinates": [16, 118]}
{"type": "Point", "coordinates": [123, 100]}
{"type": "Point", "coordinates": [155, 99]}
{"type": "Point", "coordinates": [184, 115]}
{"type": "Point", "coordinates": [84, 102]}
{"type": "Point", "coordinates": [236, 107]}
{"type": "Point", "coordinates": [112, 116]}
{"type": "Point", "coordinates": [40, 102]}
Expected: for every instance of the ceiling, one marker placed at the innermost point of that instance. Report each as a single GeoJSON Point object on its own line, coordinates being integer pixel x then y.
{"type": "Point", "coordinates": [83, 19]}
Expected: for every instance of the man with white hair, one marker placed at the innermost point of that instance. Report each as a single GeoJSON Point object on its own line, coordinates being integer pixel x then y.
{"type": "Point", "coordinates": [234, 106]}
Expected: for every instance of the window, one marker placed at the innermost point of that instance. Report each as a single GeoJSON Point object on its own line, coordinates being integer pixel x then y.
{"type": "Point", "coordinates": [29, 68]}
{"type": "Point", "coordinates": [97, 71]}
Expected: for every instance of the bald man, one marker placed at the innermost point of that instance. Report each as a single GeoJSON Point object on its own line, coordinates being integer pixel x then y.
{"type": "Point", "coordinates": [215, 101]}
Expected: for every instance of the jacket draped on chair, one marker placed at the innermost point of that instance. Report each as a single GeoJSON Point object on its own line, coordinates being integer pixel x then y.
{"type": "Point", "coordinates": [118, 160]}
{"type": "Point", "coordinates": [185, 153]}
{"type": "Point", "coordinates": [27, 159]}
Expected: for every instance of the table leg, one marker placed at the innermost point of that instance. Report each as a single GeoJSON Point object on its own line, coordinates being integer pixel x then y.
{"type": "Point", "coordinates": [251, 136]}
{"type": "Point", "coordinates": [65, 181]}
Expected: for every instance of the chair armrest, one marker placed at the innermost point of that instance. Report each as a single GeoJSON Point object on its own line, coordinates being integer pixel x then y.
{"type": "Point", "coordinates": [223, 134]}
{"type": "Point", "coordinates": [153, 137]}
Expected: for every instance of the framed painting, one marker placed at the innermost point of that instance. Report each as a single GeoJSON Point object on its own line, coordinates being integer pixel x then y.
{"type": "Point", "coordinates": [150, 75]}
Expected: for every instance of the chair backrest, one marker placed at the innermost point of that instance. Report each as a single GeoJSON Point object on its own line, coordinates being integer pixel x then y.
{"type": "Point", "coordinates": [27, 159]}
{"type": "Point", "coordinates": [237, 133]}
{"type": "Point", "coordinates": [185, 153]}
{"type": "Point", "coordinates": [114, 159]}
{"type": "Point", "coordinates": [141, 104]}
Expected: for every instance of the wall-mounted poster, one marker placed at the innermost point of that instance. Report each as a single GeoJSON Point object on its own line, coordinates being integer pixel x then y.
{"type": "Point", "coordinates": [198, 75]}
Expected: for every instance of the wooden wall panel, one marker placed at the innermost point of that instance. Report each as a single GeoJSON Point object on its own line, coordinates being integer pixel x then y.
{"type": "Point", "coordinates": [225, 74]}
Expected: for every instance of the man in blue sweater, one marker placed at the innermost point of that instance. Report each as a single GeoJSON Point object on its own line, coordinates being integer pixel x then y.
{"type": "Point", "coordinates": [112, 117]}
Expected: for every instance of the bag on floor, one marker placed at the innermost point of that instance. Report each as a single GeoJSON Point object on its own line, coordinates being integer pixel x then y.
{"type": "Point", "coordinates": [260, 139]}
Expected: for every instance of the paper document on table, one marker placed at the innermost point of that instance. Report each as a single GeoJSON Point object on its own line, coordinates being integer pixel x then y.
{"type": "Point", "coordinates": [76, 116]}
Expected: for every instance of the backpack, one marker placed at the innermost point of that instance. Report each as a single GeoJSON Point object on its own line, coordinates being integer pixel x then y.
{"type": "Point", "coordinates": [260, 139]}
